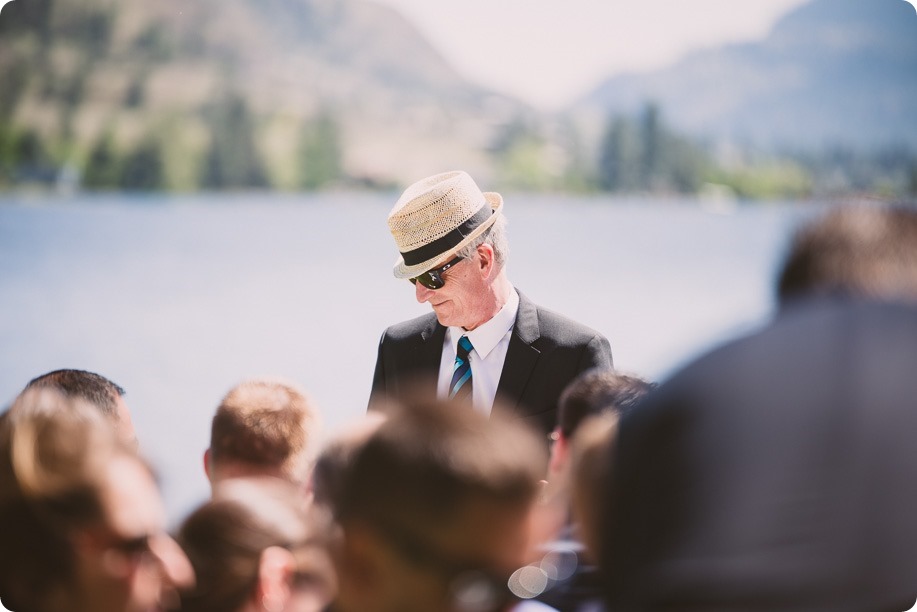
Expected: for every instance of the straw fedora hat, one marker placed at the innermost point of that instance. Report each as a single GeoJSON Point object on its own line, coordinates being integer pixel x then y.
{"type": "Point", "coordinates": [437, 216]}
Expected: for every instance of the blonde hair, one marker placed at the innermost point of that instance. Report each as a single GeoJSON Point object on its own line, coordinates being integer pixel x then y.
{"type": "Point", "coordinates": [53, 450]}
{"type": "Point", "coordinates": [266, 423]}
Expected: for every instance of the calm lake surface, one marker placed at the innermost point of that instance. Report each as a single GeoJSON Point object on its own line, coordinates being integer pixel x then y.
{"type": "Point", "coordinates": [179, 299]}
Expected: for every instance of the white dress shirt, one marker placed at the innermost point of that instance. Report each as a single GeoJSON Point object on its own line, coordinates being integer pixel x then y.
{"type": "Point", "coordinates": [490, 341]}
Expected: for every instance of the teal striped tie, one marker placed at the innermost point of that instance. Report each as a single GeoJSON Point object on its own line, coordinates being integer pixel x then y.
{"type": "Point", "coordinates": [460, 387]}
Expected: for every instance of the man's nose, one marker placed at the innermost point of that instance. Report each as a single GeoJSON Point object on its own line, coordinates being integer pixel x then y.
{"type": "Point", "coordinates": [423, 293]}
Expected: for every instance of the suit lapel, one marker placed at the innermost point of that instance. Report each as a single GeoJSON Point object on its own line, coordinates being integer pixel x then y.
{"type": "Point", "coordinates": [521, 356]}
{"type": "Point", "coordinates": [432, 336]}
{"type": "Point", "coordinates": [430, 353]}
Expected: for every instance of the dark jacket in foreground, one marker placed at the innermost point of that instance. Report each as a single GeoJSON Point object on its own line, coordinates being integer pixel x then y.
{"type": "Point", "coordinates": [777, 473]}
{"type": "Point", "coordinates": [546, 351]}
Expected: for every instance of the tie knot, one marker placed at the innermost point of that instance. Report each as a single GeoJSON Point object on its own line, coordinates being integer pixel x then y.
{"type": "Point", "coordinates": [464, 346]}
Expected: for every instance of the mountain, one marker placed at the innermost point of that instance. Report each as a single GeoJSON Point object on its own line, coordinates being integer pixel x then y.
{"type": "Point", "coordinates": [96, 79]}
{"type": "Point", "coordinates": [832, 72]}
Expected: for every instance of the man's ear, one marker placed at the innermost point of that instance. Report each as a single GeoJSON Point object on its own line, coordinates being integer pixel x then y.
{"type": "Point", "coordinates": [559, 454]}
{"type": "Point", "coordinates": [275, 573]}
{"type": "Point", "coordinates": [208, 468]}
{"type": "Point", "coordinates": [486, 258]}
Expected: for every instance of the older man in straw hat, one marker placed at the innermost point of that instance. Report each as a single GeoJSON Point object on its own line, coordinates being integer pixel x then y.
{"type": "Point", "coordinates": [484, 338]}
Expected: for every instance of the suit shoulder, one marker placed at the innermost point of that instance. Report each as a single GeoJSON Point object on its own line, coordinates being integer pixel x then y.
{"type": "Point", "coordinates": [410, 328]}
{"type": "Point", "coordinates": [560, 332]}
{"type": "Point", "coordinates": [564, 328]}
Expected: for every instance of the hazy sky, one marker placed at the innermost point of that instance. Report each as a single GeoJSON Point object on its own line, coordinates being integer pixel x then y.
{"type": "Point", "coordinates": [551, 51]}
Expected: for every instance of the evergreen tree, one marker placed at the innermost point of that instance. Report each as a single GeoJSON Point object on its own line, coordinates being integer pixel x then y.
{"type": "Point", "coordinates": [7, 152]}
{"type": "Point", "coordinates": [233, 160]}
{"type": "Point", "coordinates": [135, 92]}
{"type": "Point", "coordinates": [619, 157]}
{"type": "Point", "coordinates": [143, 168]}
{"type": "Point", "coordinates": [577, 171]}
{"type": "Point", "coordinates": [103, 169]}
{"type": "Point", "coordinates": [521, 154]}
{"type": "Point", "coordinates": [651, 141]}
{"type": "Point", "coordinates": [33, 16]}
{"type": "Point", "coordinates": [319, 153]}
{"type": "Point", "coordinates": [30, 150]}
{"type": "Point", "coordinates": [684, 164]}
{"type": "Point", "coordinates": [644, 155]}
{"type": "Point", "coordinates": [16, 79]}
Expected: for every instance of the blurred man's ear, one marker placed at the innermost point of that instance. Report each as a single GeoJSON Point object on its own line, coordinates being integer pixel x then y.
{"type": "Point", "coordinates": [275, 574]}
{"type": "Point", "coordinates": [208, 468]}
{"type": "Point", "coordinates": [559, 453]}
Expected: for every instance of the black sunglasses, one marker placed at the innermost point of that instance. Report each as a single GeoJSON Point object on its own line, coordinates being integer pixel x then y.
{"type": "Point", "coordinates": [433, 279]}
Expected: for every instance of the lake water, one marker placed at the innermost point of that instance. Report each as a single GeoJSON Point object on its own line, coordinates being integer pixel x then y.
{"type": "Point", "coordinates": [177, 300]}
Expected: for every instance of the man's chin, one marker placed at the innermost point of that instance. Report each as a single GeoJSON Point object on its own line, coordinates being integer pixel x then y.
{"type": "Point", "coordinates": [441, 315]}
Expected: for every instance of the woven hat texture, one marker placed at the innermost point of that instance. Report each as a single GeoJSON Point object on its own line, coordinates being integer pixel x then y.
{"type": "Point", "coordinates": [437, 216]}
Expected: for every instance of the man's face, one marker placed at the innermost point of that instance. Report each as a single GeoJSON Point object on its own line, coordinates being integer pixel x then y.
{"type": "Point", "coordinates": [460, 302]}
{"type": "Point", "coordinates": [445, 567]}
{"type": "Point", "coordinates": [127, 563]}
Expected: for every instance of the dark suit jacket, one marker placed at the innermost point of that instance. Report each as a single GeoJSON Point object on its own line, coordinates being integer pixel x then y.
{"type": "Point", "coordinates": [776, 473]}
{"type": "Point", "coordinates": [546, 351]}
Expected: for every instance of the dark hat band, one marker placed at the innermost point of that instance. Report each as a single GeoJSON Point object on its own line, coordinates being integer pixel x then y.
{"type": "Point", "coordinates": [441, 245]}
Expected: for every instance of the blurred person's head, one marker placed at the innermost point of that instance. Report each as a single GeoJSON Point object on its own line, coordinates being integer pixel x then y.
{"type": "Point", "coordinates": [256, 546]}
{"type": "Point", "coordinates": [95, 389]}
{"type": "Point", "coordinates": [263, 427]}
{"type": "Point", "coordinates": [437, 511]}
{"type": "Point", "coordinates": [81, 516]}
{"type": "Point", "coordinates": [591, 393]}
{"type": "Point", "coordinates": [856, 251]}
{"type": "Point", "coordinates": [590, 450]}
{"type": "Point", "coordinates": [327, 479]}
{"type": "Point", "coordinates": [776, 472]}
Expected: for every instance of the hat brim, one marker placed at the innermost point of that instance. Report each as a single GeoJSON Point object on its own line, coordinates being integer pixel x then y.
{"type": "Point", "coordinates": [404, 271]}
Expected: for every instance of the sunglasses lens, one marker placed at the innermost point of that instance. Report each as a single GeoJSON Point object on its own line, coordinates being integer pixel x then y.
{"type": "Point", "coordinates": [430, 281]}
{"type": "Point", "coordinates": [433, 279]}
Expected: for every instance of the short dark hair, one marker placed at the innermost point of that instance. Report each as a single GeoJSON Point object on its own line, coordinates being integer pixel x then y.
{"type": "Point", "coordinates": [854, 250]}
{"type": "Point", "coordinates": [80, 384]}
{"type": "Point", "coordinates": [595, 391]}
{"type": "Point", "coordinates": [332, 463]}
{"type": "Point", "coordinates": [429, 458]}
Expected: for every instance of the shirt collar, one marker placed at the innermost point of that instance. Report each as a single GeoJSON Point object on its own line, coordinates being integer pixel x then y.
{"type": "Point", "coordinates": [487, 335]}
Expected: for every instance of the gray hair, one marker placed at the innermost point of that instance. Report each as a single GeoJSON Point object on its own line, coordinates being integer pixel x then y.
{"type": "Point", "coordinates": [495, 236]}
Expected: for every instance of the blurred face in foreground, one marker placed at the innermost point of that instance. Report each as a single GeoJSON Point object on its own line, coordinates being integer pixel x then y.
{"type": "Point", "coordinates": [457, 567]}
{"type": "Point", "coordinates": [126, 562]}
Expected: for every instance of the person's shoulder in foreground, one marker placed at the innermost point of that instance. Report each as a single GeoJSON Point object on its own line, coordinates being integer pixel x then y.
{"type": "Point", "coordinates": [788, 471]}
